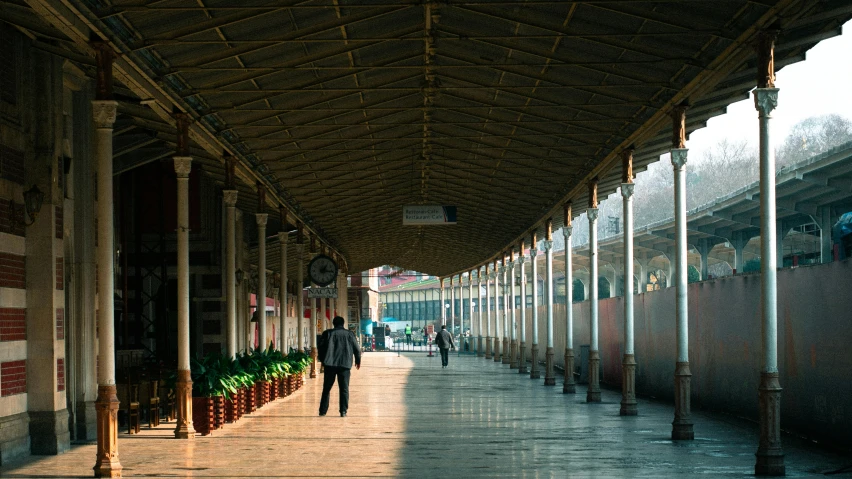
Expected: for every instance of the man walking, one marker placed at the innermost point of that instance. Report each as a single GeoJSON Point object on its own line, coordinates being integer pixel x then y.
{"type": "Point", "coordinates": [444, 341]}
{"type": "Point", "coordinates": [336, 348]}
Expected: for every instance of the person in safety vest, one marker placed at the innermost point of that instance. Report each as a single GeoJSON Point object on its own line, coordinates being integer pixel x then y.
{"type": "Point", "coordinates": [408, 334]}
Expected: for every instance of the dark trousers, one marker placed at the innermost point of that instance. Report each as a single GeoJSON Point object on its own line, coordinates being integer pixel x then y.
{"type": "Point", "coordinates": [330, 374]}
{"type": "Point", "coordinates": [445, 356]}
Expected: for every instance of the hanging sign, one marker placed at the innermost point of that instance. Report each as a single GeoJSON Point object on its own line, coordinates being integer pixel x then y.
{"type": "Point", "coordinates": [428, 215]}
{"type": "Point", "coordinates": [322, 292]}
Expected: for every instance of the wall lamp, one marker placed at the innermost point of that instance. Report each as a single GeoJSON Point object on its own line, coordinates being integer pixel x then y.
{"type": "Point", "coordinates": [33, 200]}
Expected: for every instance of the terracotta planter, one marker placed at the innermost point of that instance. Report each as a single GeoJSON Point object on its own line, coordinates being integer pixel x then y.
{"type": "Point", "coordinates": [218, 411]}
{"type": "Point", "coordinates": [250, 399]}
{"type": "Point", "coordinates": [232, 408]}
{"type": "Point", "coordinates": [258, 394]}
{"type": "Point", "coordinates": [202, 415]}
{"type": "Point", "coordinates": [273, 390]}
{"type": "Point", "coordinates": [264, 391]}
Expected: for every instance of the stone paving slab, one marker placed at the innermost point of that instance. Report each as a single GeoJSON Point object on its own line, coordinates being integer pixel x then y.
{"type": "Point", "coordinates": [410, 418]}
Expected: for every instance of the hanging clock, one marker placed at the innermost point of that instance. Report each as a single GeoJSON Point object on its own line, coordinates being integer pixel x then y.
{"type": "Point", "coordinates": [322, 270]}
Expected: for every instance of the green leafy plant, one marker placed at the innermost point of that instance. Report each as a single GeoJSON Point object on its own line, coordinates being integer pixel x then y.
{"type": "Point", "coordinates": [211, 376]}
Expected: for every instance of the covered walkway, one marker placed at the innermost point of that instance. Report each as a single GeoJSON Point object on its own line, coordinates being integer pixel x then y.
{"type": "Point", "coordinates": [410, 418]}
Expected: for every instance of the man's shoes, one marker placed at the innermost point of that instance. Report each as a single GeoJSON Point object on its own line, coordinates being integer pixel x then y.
{"type": "Point", "coordinates": [343, 414]}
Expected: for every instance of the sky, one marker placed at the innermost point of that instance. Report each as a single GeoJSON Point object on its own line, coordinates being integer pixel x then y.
{"type": "Point", "coordinates": [805, 91]}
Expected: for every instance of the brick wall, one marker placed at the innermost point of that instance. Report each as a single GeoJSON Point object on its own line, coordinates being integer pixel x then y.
{"type": "Point", "coordinates": [11, 164]}
{"type": "Point", "coordinates": [9, 211]}
{"type": "Point", "coordinates": [60, 324]}
{"type": "Point", "coordinates": [13, 378]}
{"type": "Point", "coordinates": [60, 223]}
{"type": "Point", "coordinates": [60, 374]}
{"type": "Point", "coordinates": [13, 325]}
{"type": "Point", "coordinates": [60, 273]}
{"type": "Point", "coordinates": [12, 271]}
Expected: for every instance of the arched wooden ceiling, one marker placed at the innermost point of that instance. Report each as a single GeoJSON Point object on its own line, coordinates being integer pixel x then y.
{"type": "Point", "coordinates": [349, 110]}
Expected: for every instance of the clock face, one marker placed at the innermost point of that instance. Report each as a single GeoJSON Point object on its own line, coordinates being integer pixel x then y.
{"type": "Point", "coordinates": [322, 270]}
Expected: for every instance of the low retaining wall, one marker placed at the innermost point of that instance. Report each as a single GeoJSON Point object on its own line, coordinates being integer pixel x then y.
{"type": "Point", "coordinates": [814, 345]}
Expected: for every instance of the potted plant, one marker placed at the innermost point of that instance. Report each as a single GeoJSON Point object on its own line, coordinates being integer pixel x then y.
{"type": "Point", "coordinates": [250, 366]}
{"type": "Point", "coordinates": [211, 384]}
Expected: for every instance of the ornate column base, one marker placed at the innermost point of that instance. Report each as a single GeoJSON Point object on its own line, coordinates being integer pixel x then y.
{"type": "Point", "coordinates": [513, 363]}
{"type": "Point", "coordinates": [522, 358]}
{"type": "Point", "coordinates": [480, 350]}
{"type": "Point", "coordinates": [496, 351]}
{"type": "Point", "coordinates": [534, 373]}
{"type": "Point", "coordinates": [506, 352]}
{"type": "Point", "coordinates": [770, 455]}
{"type": "Point", "coordinates": [568, 385]}
{"type": "Point", "coordinates": [682, 424]}
{"type": "Point", "coordinates": [488, 343]}
{"type": "Point", "coordinates": [106, 407]}
{"type": "Point", "coordinates": [593, 394]}
{"type": "Point", "coordinates": [183, 404]}
{"type": "Point", "coordinates": [628, 386]}
{"type": "Point", "coordinates": [314, 362]}
{"type": "Point", "coordinates": [549, 378]}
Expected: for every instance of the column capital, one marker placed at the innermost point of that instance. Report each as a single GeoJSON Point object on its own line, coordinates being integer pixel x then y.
{"type": "Point", "coordinates": [521, 259]}
{"type": "Point", "coordinates": [765, 100]}
{"type": "Point", "coordinates": [104, 111]}
{"type": "Point", "coordinates": [533, 251]}
{"type": "Point", "coordinates": [230, 197]}
{"type": "Point", "coordinates": [282, 237]}
{"type": "Point", "coordinates": [183, 165]}
{"type": "Point", "coordinates": [592, 213]}
{"type": "Point", "coordinates": [627, 189]}
{"type": "Point", "coordinates": [567, 231]}
{"type": "Point", "coordinates": [501, 270]}
{"type": "Point", "coordinates": [262, 218]}
{"type": "Point", "coordinates": [548, 245]}
{"type": "Point", "coordinates": [493, 275]}
{"type": "Point", "coordinates": [679, 156]}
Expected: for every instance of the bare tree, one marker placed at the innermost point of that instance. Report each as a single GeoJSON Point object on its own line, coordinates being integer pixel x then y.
{"type": "Point", "coordinates": [813, 136]}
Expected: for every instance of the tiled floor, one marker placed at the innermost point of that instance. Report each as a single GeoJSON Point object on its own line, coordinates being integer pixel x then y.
{"type": "Point", "coordinates": [410, 418]}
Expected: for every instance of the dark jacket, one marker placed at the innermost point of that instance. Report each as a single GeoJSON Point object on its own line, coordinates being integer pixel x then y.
{"type": "Point", "coordinates": [444, 339]}
{"type": "Point", "coordinates": [337, 346]}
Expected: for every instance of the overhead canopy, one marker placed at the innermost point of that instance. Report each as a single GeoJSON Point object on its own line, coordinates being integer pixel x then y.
{"type": "Point", "coordinates": [349, 110]}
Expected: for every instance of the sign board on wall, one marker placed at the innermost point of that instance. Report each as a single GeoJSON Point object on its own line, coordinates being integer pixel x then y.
{"type": "Point", "coordinates": [322, 292]}
{"type": "Point", "coordinates": [428, 215]}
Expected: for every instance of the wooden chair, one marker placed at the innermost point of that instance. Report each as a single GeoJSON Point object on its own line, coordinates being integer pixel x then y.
{"type": "Point", "coordinates": [133, 409]}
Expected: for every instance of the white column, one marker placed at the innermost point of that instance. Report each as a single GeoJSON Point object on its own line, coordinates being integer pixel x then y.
{"type": "Point", "coordinates": [628, 364]}
{"type": "Point", "coordinates": [452, 307]}
{"type": "Point", "coordinates": [106, 405]}
{"type": "Point", "coordinates": [506, 308]}
{"type": "Point", "coordinates": [300, 297]}
{"type": "Point", "coordinates": [261, 280]}
{"type": "Point", "coordinates": [282, 292]}
{"type": "Point", "coordinates": [534, 373]}
{"type": "Point", "coordinates": [480, 342]}
{"type": "Point", "coordinates": [568, 386]}
{"type": "Point", "coordinates": [593, 394]}
{"type": "Point", "coordinates": [549, 377]}
{"type": "Point", "coordinates": [443, 304]}
{"type": "Point", "coordinates": [184, 429]}
{"type": "Point", "coordinates": [682, 425]}
{"type": "Point", "coordinates": [488, 338]}
{"type": "Point", "coordinates": [514, 312]}
{"type": "Point", "coordinates": [770, 455]}
{"type": "Point", "coordinates": [498, 271]}
{"type": "Point", "coordinates": [229, 198]}
{"type": "Point", "coordinates": [522, 349]}
{"type": "Point", "coordinates": [470, 302]}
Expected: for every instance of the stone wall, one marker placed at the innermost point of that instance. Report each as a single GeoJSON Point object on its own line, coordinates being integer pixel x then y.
{"type": "Point", "coordinates": [814, 331]}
